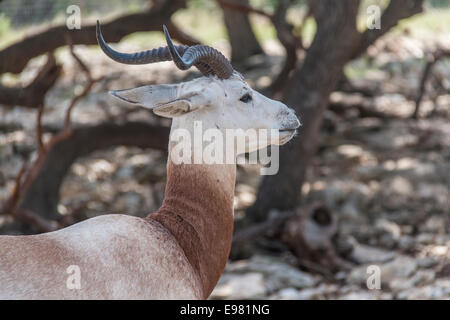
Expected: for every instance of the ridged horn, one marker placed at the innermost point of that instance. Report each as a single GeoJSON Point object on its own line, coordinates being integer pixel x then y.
{"type": "Point", "coordinates": [199, 53]}
{"type": "Point", "coordinates": [208, 60]}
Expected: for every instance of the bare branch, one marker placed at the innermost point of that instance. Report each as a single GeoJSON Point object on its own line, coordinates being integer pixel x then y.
{"type": "Point", "coordinates": [40, 189]}
{"type": "Point", "coordinates": [86, 90]}
{"type": "Point", "coordinates": [180, 35]}
{"type": "Point", "coordinates": [30, 218]}
{"type": "Point", "coordinates": [272, 225]}
{"type": "Point", "coordinates": [39, 133]}
{"type": "Point", "coordinates": [285, 34]}
{"type": "Point", "coordinates": [244, 8]}
{"type": "Point", "coordinates": [11, 203]}
{"type": "Point", "coordinates": [25, 216]}
{"type": "Point", "coordinates": [396, 11]}
{"type": "Point", "coordinates": [33, 95]}
{"type": "Point", "coordinates": [15, 57]}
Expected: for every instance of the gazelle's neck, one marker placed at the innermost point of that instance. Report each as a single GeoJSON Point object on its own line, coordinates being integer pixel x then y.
{"type": "Point", "coordinates": [198, 210]}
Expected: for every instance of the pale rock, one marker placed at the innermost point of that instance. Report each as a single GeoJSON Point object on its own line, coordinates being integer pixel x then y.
{"type": "Point", "coordinates": [361, 295]}
{"type": "Point", "coordinates": [401, 267]}
{"type": "Point", "coordinates": [427, 262]}
{"type": "Point", "coordinates": [278, 274]}
{"type": "Point", "coordinates": [425, 238]}
{"type": "Point", "coordinates": [240, 286]}
{"type": "Point", "coordinates": [440, 289]}
{"type": "Point", "coordinates": [406, 243]}
{"type": "Point", "coordinates": [365, 254]}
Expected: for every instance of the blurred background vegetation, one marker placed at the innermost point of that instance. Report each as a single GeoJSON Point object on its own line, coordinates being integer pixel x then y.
{"type": "Point", "coordinates": [202, 17]}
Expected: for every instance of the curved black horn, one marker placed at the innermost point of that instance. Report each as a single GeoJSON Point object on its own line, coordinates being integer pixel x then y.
{"type": "Point", "coordinates": [199, 53]}
{"type": "Point", "coordinates": [208, 60]}
{"type": "Point", "coordinates": [143, 57]}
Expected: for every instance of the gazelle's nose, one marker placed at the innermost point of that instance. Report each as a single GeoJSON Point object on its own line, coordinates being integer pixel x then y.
{"type": "Point", "coordinates": [297, 121]}
{"type": "Point", "coordinates": [289, 121]}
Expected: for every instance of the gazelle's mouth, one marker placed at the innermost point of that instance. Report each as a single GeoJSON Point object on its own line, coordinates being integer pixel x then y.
{"type": "Point", "coordinates": [287, 131]}
{"type": "Point", "coordinates": [286, 135]}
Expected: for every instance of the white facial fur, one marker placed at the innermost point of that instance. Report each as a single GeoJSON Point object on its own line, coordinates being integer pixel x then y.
{"type": "Point", "coordinates": [217, 104]}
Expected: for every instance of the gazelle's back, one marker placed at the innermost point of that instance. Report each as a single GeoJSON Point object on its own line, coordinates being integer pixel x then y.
{"type": "Point", "coordinates": [118, 256]}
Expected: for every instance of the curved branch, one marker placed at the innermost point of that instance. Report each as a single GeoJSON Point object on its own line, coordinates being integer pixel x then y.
{"type": "Point", "coordinates": [395, 11]}
{"type": "Point", "coordinates": [40, 190]}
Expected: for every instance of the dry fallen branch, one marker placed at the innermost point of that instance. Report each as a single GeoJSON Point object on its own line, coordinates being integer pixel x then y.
{"type": "Point", "coordinates": [310, 236]}
{"type": "Point", "coordinates": [272, 225]}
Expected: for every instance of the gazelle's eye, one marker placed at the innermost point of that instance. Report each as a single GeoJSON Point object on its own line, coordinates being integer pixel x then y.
{"type": "Point", "coordinates": [246, 98]}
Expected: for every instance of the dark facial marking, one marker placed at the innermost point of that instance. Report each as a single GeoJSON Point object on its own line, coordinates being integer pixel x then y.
{"type": "Point", "coordinates": [246, 98]}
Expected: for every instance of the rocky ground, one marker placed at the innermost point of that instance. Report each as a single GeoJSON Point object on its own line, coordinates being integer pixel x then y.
{"type": "Point", "coordinates": [386, 180]}
{"type": "Point", "coordinates": [390, 192]}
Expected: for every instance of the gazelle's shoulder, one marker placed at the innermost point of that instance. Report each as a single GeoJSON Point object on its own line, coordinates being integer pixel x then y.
{"type": "Point", "coordinates": [111, 225]}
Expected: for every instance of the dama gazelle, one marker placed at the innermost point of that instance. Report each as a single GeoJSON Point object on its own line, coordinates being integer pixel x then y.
{"type": "Point", "coordinates": [180, 251]}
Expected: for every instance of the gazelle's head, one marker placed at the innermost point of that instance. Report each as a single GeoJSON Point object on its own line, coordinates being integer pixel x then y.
{"type": "Point", "coordinates": [221, 99]}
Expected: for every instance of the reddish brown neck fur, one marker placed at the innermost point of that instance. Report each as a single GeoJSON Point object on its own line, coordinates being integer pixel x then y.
{"type": "Point", "coordinates": [198, 210]}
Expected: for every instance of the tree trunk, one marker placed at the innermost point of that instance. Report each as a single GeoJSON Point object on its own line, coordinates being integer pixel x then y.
{"type": "Point", "coordinates": [242, 39]}
{"type": "Point", "coordinates": [308, 94]}
{"type": "Point", "coordinates": [335, 43]}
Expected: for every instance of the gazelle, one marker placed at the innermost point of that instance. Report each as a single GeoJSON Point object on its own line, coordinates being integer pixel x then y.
{"type": "Point", "coordinates": [180, 251]}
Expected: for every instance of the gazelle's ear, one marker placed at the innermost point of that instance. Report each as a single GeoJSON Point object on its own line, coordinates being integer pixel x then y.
{"type": "Point", "coordinates": [148, 96]}
{"type": "Point", "coordinates": [173, 109]}
{"type": "Point", "coordinates": [164, 100]}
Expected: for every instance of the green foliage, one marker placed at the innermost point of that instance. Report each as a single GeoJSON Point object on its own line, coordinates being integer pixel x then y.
{"type": "Point", "coordinates": [196, 4]}
{"type": "Point", "coordinates": [271, 4]}
{"type": "Point", "coordinates": [439, 3]}
{"type": "Point", "coordinates": [28, 12]}
{"type": "Point", "coordinates": [4, 24]}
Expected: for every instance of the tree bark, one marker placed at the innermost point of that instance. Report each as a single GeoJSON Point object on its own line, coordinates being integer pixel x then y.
{"type": "Point", "coordinates": [33, 95]}
{"type": "Point", "coordinates": [242, 39]}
